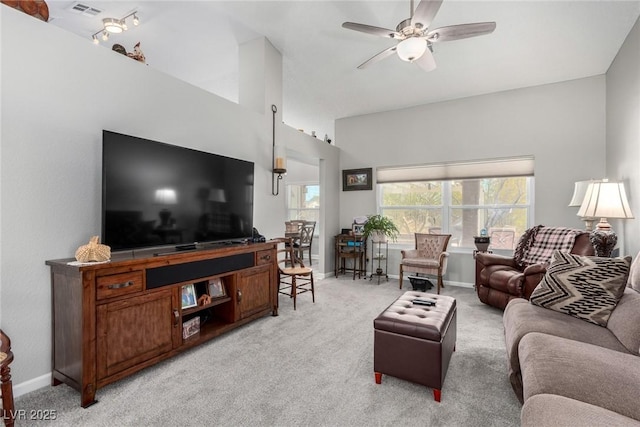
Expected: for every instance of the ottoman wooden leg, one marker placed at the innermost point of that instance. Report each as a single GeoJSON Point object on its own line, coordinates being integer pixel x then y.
{"type": "Point", "coordinates": [378, 378]}
{"type": "Point", "coordinates": [436, 394]}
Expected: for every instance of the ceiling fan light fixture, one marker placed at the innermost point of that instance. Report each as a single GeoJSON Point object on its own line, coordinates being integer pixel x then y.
{"type": "Point", "coordinates": [113, 25]}
{"type": "Point", "coordinates": [412, 48]}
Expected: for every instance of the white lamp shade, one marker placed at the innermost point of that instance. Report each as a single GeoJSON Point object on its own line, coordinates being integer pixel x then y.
{"type": "Point", "coordinates": [579, 190]}
{"type": "Point", "coordinates": [166, 196]}
{"type": "Point", "coordinates": [605, 200]}
{"type": "Point", "coordinates": [411, 49]}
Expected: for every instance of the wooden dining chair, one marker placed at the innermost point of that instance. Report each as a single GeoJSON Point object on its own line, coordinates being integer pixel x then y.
{"type": "Point", "coordinates": [293, 277]}
{"type": "Point", "coordinates": [6, 357]}
{"type": "Point", "coordinates": [293, 230]}
{"type": "Point", "coordinates": [306, 239]}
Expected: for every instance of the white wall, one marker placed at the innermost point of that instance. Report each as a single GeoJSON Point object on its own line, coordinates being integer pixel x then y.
{"type": "Point", "coordinates": [623, 135]}
{"type": "Point", "coordinates": [58, 92]}
{"type": "Point", "coordinates": [562, 125]}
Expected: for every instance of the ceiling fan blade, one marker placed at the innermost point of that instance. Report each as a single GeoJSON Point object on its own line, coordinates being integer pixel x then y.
{"type": "Point", "coordinates": [425, 12]}
{"type": "Point", "coordinates": [462, 31]}
{"type": "Point", "coordinates": [426, 61]}
{"type": "Point", "coordinates": [370, 29]}
{"type": "Point", "coordinates": [379, 57]}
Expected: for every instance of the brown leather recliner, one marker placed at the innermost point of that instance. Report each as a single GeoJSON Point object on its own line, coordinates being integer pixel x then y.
{"type": "Point", "coordinates": [499, 279]}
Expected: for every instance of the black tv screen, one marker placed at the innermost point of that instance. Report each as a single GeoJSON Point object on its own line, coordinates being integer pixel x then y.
{"type": "Point", "coordinates": [157, 194]}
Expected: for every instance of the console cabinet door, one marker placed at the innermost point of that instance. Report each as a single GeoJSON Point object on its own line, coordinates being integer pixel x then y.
{"type": "Point", "coordinates": [134, 330]}
{"type": "Point", "coordinates": [253, 293]}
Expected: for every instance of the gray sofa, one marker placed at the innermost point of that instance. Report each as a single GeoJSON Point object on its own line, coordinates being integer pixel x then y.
{"type": "Point", "coordinates": [569, 372]}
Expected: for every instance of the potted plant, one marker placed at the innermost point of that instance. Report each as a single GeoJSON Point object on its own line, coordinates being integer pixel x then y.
{"type": "Point", "coordinates": [380, 227]}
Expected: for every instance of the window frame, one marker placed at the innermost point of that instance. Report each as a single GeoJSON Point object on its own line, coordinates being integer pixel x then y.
{"type": "Point", "coordinates": [446, 208]}
{"type": "Point", "coordinates": [298, 210]}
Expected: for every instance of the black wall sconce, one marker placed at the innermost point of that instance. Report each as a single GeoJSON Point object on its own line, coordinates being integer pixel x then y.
{"type": "Point", "coordinates": [278, 159]}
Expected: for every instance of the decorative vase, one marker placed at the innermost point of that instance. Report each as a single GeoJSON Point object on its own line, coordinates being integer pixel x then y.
{"type": "Point", "coordinates": [482, 243]}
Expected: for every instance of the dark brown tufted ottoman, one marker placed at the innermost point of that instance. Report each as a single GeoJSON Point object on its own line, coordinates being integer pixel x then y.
{"type": "Point", "coordinates": [415, 342]}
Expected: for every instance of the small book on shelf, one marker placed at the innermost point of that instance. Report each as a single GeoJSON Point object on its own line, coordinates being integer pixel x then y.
{"type": "Point", "coordinates": [191, 327]}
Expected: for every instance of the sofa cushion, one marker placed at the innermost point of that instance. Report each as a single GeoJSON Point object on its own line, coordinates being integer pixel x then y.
{"type": "Point", "coordinates": [582, 286]}
{"type": "Point", "coordinates": [586, 372]}
{"type": "Point", "coordinates": [624, 322]}
{"type": "Point", "coordinates": [521, 318]}
{"type": "Point", "coordinates": [550, 410]}
{"type": "Point", "coordinates": [634, 274]}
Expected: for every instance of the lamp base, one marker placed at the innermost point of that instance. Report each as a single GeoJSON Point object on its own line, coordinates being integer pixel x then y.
{"type": "Point", "coordinates": [588, 223]}
{"type": "Point", "coordinates": [603, 242]}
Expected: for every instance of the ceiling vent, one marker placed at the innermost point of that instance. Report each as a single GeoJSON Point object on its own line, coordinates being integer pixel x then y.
{"type": "Point", "coordinates": [84, 9]}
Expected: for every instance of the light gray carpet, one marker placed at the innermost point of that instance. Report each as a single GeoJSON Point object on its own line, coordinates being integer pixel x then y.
{"type": "Point", "coordinates": [311, 367]}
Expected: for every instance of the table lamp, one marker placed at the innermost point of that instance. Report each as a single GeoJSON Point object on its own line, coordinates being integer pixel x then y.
{"type": "Point", "coordinates": [579, 191]}
{"type": "Point", "coordinates": [604, 199]}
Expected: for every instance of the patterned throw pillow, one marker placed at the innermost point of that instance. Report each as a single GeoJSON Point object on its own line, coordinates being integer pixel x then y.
{"type": "Point", "coordinates": [583, 286]}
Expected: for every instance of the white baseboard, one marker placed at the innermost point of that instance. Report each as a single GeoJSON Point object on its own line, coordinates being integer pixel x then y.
{"type": "Point", "coordinates": [32, 385]}
{"type": "Point", "coordinates": [446, 282]}
{"type": "Point", "coordinates": [459, 284]}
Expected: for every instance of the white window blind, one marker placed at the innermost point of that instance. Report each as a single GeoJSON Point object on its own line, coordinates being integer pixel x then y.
{"type": "Point", "coordinates": [495, 168]}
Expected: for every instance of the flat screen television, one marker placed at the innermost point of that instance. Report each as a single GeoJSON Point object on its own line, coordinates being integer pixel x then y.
{"type": "Point", "coordinates": [156, 194]}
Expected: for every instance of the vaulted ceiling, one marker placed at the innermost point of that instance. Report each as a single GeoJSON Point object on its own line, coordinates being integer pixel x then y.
{"type": "Point", "coordinates": [535, 42]}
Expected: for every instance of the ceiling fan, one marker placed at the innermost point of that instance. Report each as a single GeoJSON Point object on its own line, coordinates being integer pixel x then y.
{"type": "Point", "coordinates": [414, 37]}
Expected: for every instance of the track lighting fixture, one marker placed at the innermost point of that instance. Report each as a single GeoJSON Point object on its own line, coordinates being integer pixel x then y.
{"type": "Point", "coordinates": [114, 26]}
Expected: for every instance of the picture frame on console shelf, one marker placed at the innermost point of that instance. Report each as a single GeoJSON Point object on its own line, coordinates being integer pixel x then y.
{"type": "Point", "coordinates": [191, 327]}
{"type": "Point", "coordinates": [189, 298]}
{"type": "Point", "coordinates": [357, 179]}
{"type": "Point", "coordinates": [216, 288]}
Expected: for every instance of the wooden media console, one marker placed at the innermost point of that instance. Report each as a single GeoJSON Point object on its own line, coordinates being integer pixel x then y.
{"type": "Point", "coordinates": [112, 319]}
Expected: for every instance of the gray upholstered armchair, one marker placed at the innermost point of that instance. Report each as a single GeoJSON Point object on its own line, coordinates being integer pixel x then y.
{"type": "Point", "coordinates": [429, 257]}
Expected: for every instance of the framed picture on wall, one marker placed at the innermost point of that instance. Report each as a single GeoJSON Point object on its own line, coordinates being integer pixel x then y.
{"type": "Point", "coordinates": [356, 179]}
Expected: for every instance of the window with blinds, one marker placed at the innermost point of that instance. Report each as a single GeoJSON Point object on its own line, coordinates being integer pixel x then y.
{"type": "Point", "coordinates": [460, 199]}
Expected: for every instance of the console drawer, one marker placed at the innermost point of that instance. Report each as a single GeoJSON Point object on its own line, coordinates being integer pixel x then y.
{"type": "Point", "coordinates": [263, 257]}
{"type": "Point", "coordinates": [119, 284]}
